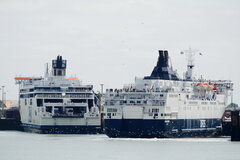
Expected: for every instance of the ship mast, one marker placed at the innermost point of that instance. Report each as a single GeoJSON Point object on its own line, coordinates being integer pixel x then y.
{"type": "Point", "coordinates": [46, 70]}
{"type": "Point", "coordinates": [190, 55]}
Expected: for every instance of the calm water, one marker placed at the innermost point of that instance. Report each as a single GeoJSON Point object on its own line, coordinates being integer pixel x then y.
{"type": "Point", "coordinates": [27, 146]}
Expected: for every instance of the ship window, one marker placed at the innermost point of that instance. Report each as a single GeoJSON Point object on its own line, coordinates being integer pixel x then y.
{"type": "Point", "coordinates": [39, 102]}
{"type": "Point", "coordinates": [161, 95]}
{"type": "Point", "coordinates": [59, 72]}
{"type": "Point", "coordinates": [111, 109]}
{"type": "Point", "coordinates": [162, 103]}
{"type": "Point", "coordinates": [78, 100]}
{"type": "Point", "coordinates": [53, 100]}
{"type": "Point", "coordinates": [162, 114]}
{"type": "Point", "coordinates": [121, 102]}
{"type": "Point", "coordinates": [132, 102]}
{"type": "Point", "coordinates": [79, 110]}
{"type": "Point", "coordinates": [138, 101]}
{"type": "Point", "coordinates": [49, 109]}
{"type": "Point", "coordinates": [30, 101]}
{"type": "Point", "coordinates": [109, 115]}
{"type": "Point", "coordinates": [25, 101]}
{"type": "Point", "coordinates": [58, 110]}
{"type": "Point", "coordinates": [155, 110]}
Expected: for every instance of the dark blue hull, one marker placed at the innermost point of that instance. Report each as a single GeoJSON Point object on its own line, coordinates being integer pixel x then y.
{"type": "Point", "coordinates": [62, 129]}
{"type": "Point", "coordinates": [139, 128]}
{"type": "Point", "coordinates": [226, 128]}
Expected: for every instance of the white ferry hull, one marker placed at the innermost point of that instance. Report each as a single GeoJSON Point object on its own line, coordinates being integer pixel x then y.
{"type": "Point", "coordinates": [64, 126]}
{"type": "Point", "coordinates": [164, 105]}
{"type": "Point", "coordinates": [56, 104]}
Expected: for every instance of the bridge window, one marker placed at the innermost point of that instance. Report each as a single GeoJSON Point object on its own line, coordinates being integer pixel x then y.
{"type": "Point", "coordinates": [39, 102]}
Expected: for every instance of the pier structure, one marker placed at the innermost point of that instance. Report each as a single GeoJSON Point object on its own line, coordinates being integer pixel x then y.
{"type": "Point", "coordinates": [235, 119]}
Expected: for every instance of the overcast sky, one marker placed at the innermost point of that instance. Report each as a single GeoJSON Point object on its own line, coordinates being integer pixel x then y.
{"type": "Point", "coordinates": [112, 41]}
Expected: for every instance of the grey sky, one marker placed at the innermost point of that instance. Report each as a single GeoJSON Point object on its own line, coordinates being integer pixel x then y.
{"type": "Point", "coordinates": [111, 41]}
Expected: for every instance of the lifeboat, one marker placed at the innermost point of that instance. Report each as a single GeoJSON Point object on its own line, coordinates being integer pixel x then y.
{"type": "Point", "coordinates": [204, 86]}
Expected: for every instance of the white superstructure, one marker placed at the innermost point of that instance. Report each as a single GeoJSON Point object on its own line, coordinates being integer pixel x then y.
{"type": "Point", "coordinates": [56, 104]}
{"type": "Point", "coordinates": [162, 105]}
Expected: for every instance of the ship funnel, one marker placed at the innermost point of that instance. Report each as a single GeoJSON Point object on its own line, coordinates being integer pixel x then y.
{"type": "Point", "coordinates": [162, 69]}
{"type": "Point", "coordinates": [59, 66]}
{"type": "Point", "coordinates": [163, 58]}
{"type": "Point", "coordinates": [160, 53]}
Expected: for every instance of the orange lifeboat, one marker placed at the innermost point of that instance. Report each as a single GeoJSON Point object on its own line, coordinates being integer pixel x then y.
{"type": "Point", "coordinates": [72, 78]}
{"type": "Point", "coordinates": [204, 86]}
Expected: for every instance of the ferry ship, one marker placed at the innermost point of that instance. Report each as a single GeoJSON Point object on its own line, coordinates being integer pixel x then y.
{"type": "Point", "coordinates": [162, 105]}
{"type": "Point", "coordinates": [56, 104]}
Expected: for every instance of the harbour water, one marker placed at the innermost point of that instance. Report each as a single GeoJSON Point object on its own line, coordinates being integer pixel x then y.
{"type": "Point", "coordinates": [28, 146]}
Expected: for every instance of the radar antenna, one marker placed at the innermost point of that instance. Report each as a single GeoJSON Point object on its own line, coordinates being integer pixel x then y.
{"type": "Point", "coordinates": [190, 55]}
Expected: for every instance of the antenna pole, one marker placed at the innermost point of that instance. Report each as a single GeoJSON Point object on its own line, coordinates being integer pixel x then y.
{"type": "Point", "coordinates": [46, 71]}
{"type": "Point", "coordinates": [190, 55]}
{"type": "Point", "coordinates": [101, 88]}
